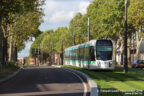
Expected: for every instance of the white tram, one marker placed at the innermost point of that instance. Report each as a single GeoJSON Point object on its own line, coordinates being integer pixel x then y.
{"type": "Point", "coordinates": [95, 54]}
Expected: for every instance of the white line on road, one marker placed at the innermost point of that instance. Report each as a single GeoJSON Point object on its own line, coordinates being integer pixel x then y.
{"type": "Point", "coordinates": [84, 84]}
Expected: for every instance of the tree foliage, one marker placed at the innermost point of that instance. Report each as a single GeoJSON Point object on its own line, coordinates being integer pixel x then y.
{"type": "Point", "coordinates": [136, 14]}
{"type": "Point", "coordinates": [19, 19]}
{"type": "Point", "coordinates": [107, 19]}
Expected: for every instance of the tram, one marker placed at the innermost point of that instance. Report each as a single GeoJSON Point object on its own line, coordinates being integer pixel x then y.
{"type": "Point", "coordinates": [94, 55]}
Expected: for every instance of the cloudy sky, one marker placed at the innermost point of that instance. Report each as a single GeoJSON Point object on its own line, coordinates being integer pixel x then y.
{"type": "Point", "coordinates": [58, 13]}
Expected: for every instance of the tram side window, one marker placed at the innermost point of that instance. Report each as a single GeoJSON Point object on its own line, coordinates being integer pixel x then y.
{"type": "Point", "coordinates": [87, 55]}
{"type": "Point", "coordinates": [92, 55]}
{"type": "Point", "coordinates": [70, 54]}
{"type": "Point", "coordinates": [77, 54]}
{"type": "Point", "coordinates": [82, 53]}
{"type": "Point", "coordinates": [83, 50]}
{"type": "Point", "coordinates": [65, 55]}
{"type": "Point", "coordinates": [73, 54]}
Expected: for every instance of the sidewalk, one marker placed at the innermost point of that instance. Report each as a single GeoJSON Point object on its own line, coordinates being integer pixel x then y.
{"type": "Point", "coordinates": [8, 74]}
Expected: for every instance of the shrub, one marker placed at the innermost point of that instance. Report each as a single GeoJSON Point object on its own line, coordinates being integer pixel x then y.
{"type": "Point", "coordinates": [12, 65]}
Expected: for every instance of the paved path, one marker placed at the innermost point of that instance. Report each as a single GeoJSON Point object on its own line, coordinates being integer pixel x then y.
{"type": "Point", "coordinates": [43, 81]}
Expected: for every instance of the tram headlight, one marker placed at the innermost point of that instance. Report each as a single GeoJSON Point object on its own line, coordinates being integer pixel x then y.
{"type": "Point", "coordinates": [99, 63]}
{"type": "Point", "coordinates": [110, 64]}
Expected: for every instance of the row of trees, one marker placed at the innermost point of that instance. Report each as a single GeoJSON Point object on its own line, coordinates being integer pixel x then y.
{"type": "Point", "coordinates": [106, 21]}
{"type": "Point", "coordinates": [19, 20]}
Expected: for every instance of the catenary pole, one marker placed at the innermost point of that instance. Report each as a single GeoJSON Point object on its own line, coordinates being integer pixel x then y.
{"type": "Point", "coordinates": [88, 29]}
{"type": "Point", "coordinates": [74, 37]}
{"type": "Point", "coordinates": [125, 40]}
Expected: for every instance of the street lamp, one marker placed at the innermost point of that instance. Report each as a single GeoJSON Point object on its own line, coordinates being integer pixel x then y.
{"type": "Point", "coordinates": [61, 55]}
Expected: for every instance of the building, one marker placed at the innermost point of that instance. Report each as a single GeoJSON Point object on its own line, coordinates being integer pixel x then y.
{"type": "Point", "coordinates": [135, 48]}
{"type": "Point", "coordinates": [21, 61]}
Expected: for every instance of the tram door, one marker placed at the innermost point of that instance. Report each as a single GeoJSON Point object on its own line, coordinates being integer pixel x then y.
{"type": "Point", "coordinates": [79, 57]}
{"type": "Point", "coordinates": [87, 56]}
{"type": "Point", "coordinates": [82, 57]}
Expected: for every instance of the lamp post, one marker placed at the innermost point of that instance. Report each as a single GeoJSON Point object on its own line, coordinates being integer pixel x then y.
{"type": "Point", "coordinates": [125, 40]}
{"type": "Point", "coordinates": [42, 54]}
{"type": "Point", "coordinates": [61, 53]}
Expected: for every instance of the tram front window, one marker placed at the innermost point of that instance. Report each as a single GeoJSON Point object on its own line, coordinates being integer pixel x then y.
{"type": "Point", "coordinates": [104, 52]}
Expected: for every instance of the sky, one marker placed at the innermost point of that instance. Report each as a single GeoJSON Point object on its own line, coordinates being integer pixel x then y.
{"type": "Point", "coordinates": [58, 13]}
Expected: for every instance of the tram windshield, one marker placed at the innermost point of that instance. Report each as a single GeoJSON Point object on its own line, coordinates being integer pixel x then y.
{"type": "Point", "coordinates": [104, 50]}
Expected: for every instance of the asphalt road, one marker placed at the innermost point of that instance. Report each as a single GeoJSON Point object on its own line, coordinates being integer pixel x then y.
{"type": "Point", "coordinates": [43, 81]}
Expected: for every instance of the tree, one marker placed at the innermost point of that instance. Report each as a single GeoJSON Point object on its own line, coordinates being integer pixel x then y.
{"type": "Point", "coordinates": [7, 7]}
{"type": "Point", "coordinates": [136, 20]}
{"type": "Point", "coordinates": [11, 10]}
{"type": "Point", "coordinates": [44, 47]}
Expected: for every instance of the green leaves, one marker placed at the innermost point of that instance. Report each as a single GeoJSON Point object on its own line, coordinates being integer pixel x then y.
{"type": "Point", "coordinates": [136, 14]}
{"type": "Point", "coordinates": [106, 21]}
{"type": "Point", "coordinates": [107, 18]}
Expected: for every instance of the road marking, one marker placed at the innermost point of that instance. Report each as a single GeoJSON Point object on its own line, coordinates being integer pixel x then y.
{"type": "Point", "coordinates": [84, 84]}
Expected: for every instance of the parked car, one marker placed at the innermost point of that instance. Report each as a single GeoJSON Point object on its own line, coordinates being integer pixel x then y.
{"type": "Point", "coordinates": [138, 64]}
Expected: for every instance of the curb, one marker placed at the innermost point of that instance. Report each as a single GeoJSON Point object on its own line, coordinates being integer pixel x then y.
{"type": "Point", "coordinates": [91, 83]}
{"type": "Point", "coordinates": [10, 76]}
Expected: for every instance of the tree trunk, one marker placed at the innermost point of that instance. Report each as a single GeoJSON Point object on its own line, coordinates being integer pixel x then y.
{"type": "Point", "coordinates": [115, 52]}
{"type": "Point", "coordinates": [11, 49]}
{"type": "Point", "coordinates": [15, 53]}
{"type": "Point", "coordinates": [128, 50]}
{"type": "Point", "coordinates": [5, 51]}
{"type": "Point", "coordinates": [122, 49]}
{"type": "Point", "coordinates": [5, 43]}
{"type": "Point", "coordinates": [1, 48]}
{"type": "Point", "coordinates": [138, 47]}
{"type": "Point", "coordinates": [122, 58]}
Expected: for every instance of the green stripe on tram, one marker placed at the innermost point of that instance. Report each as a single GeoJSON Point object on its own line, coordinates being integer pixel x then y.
{"type": "Point", "coordinates": [78, 61]}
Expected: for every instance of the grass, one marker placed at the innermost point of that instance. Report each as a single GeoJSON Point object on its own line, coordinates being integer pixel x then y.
{"type": "Point", "coordinates": [4, 72]}
{"type": "Point", "coordinates": [117, 80]}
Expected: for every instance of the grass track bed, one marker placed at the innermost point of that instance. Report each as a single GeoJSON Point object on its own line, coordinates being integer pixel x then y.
{"type": "Point", "coordinates": [124, 84]}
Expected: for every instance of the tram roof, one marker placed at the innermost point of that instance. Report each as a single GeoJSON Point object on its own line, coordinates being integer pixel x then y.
{"type": "Point", "coordinates": [90, 43]}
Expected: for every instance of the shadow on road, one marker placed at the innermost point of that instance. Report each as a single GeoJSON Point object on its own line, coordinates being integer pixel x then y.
{"type": "Point", "coordinates": [34, 80]}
